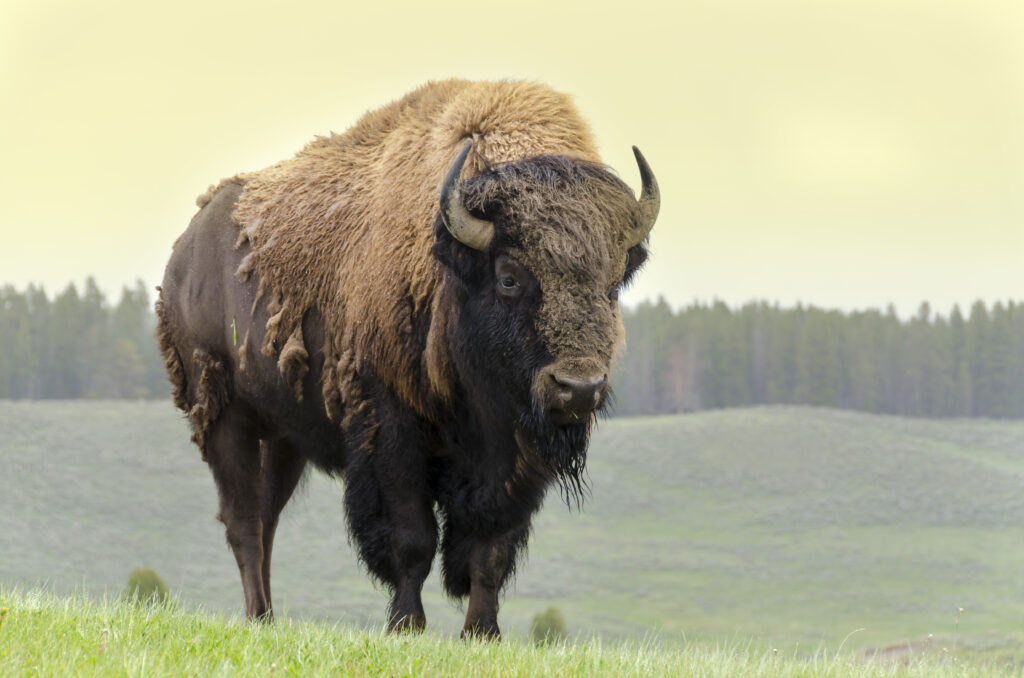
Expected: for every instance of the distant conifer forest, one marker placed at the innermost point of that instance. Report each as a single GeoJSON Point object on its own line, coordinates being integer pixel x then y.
{"type": "Point", "coordinates": [79, 345]}
{"type": "Point", "coordinates": [712, 356]}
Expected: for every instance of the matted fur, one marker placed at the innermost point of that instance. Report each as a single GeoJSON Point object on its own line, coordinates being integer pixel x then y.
{"type": "Point", "coordinates": [172, 361]}
{"type": "Point", "coordinates": [344, 226]}
{"type": "Point", "coordinates": [210, 397]}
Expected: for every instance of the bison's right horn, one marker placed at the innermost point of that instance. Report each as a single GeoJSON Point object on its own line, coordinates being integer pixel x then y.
{"type": "Point", "coordinates": [464, 227]}
{"type": "Point", "coordinates": [650, 200]}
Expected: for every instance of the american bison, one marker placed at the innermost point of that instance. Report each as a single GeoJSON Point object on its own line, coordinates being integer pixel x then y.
{"type": "Point", "coordinates": [425, 306]}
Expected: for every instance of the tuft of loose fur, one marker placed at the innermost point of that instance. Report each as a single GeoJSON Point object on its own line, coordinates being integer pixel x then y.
{"type": "Point", "coordinates": [172, 361]}
{"type": "Point", "coordinates": [211, 397]}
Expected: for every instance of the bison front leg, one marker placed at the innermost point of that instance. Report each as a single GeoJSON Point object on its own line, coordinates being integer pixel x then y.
{"type": "Point", "coordinates": [391, 516]}
{"type": "Point", "coordinates": [488, 567]}
{"type": "Point", "coordinates": [397, 539]}
{"type": "Point", "coordinates": [479, 567]}
{"type": "Point", "coordinates": [413, 544]}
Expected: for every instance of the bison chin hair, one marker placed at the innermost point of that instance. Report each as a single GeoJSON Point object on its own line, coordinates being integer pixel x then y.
{"type": "Point", "coordinates": [560, 450]}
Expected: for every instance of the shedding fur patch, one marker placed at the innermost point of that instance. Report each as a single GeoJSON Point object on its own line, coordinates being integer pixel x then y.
{"type": "Point", "coordinates": [346, 225]}
{"type": "Point", "coordinates": [330, 392]}
{"type": "Point", "coordinates": [294, 362]}
{"type": "Point", "coordinates": [172, 361]}
{"type": "Point", "coordinates": [211, 397]}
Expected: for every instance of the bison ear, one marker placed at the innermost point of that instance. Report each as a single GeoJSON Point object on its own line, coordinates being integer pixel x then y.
{"type": "Point", "coordinates": [636, 257]}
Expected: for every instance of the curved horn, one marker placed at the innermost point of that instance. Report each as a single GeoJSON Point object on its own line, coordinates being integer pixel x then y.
{"type": "Point", "coordinates": [650, 200]}
{"type": "Point", "coordinates": [464, 227]}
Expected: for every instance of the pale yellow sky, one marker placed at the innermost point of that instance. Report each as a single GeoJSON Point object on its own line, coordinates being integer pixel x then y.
{"type": "Point", "coordinates": [846, 154]}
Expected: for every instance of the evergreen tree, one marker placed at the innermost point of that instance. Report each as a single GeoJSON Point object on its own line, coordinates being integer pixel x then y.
{"type": "Point", "coordinates": [18, 361]}
{"type": "Point", "coordinates": [978, 359]}
{"type": "Point", "coordinates": [67, 330]}
{"type": "Point", "coordinates": [1016, 330]}
{"type": "Point", "coordinates": [817, 379]}
{"type": "Point", "coordinates": [134, 340]}
{"type": "Point", "coordinates": [43, 385]}
{"type": "Point", "coordinates": [95, 354]}
{"type": "Point", "coordinates": [726, 383]}
{"type": "Point", "coordinates": [1000, 350]}
{"type": "Point", "coordinates": [963, 390]}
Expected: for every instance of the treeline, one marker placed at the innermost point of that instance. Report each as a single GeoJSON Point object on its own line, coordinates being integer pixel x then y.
{"type": "Point", "coordinates": [77, 345]}
{"type": "Point", "coordinates": [711, 356]}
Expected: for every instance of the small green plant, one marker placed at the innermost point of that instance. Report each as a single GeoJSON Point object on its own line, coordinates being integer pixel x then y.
{"type": "Point", "coordinates": [548, 627]}
{"type": "Point", "coordinates": [146, 586]}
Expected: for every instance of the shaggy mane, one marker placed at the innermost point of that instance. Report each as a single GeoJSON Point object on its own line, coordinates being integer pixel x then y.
{"type": "Point", "coordinates": [346, 226]}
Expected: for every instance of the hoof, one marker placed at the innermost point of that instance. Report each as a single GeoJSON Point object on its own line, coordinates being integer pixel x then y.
{"type": "Point", "coordinates": [266, 617]}
{"type": "Point", "coordinates": [481, 632]}
{"type": "Point", "coordinates": [413, 623]}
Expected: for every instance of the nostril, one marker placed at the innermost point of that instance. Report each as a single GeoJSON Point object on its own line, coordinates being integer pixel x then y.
{"type": "Point", "coordinates": [579, 394]}
{"type": "Point", "coordinates": [579, 384]}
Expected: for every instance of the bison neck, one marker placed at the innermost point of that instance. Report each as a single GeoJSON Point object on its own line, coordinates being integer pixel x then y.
{"type": "Point", "coordinates": [498, 469]}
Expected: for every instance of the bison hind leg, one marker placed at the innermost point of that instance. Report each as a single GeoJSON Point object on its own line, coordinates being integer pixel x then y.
{"type": "Point", "coordinates": [281, 468]}
{"type": "Point", "coordinates": [233, 453]}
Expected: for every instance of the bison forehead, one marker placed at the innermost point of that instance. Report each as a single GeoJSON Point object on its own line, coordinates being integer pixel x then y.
{"type": "Point", "coordinates": [565, 220]}
{"type": "Point", "coordinates": [592, 267]}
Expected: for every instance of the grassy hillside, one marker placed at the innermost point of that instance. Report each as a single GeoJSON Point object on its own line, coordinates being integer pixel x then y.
{"type": "Point", "coordinates": [43, 635]}
{"type": "Point", "coordinates": [794, 527]}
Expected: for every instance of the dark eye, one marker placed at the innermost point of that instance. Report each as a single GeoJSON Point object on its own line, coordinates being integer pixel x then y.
{"type": "Point", "coordinates": [509, 277]}
{"type": "Point", "coordinates": [614, 294]}
{"type": "Point", "coordinates": [508, 287]}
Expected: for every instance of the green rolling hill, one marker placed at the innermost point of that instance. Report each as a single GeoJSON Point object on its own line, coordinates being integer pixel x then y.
{"type": "Point", "coordinates": [794, 527]}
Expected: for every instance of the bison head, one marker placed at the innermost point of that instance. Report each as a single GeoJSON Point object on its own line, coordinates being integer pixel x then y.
{"type": "Point", "coordinates": [538, 251]}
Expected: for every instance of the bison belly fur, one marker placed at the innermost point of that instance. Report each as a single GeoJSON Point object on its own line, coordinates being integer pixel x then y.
{"type": "Point", "coordinates": [425, 306]}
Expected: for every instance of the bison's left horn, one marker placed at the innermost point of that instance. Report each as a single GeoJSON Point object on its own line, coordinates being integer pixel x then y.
{"type": "Point", "coordinates": [650, 200]}
{"type": "Point", "coordinates": [464, 227]}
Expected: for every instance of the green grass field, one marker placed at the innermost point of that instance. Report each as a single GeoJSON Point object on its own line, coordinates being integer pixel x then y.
{"type": "Point", "coordinates": [789, 528]}
{"type": "Point", "coordinates": [41, 634]}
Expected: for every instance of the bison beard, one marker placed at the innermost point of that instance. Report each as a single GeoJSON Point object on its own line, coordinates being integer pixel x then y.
{"type": "Point", "coordinates": [564, 451]}
{"type": "Point", "coordinates": [450, 375]}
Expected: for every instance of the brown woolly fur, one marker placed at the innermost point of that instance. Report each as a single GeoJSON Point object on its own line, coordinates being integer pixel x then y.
{"type": "Point", "coordinates": [364, 196]}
